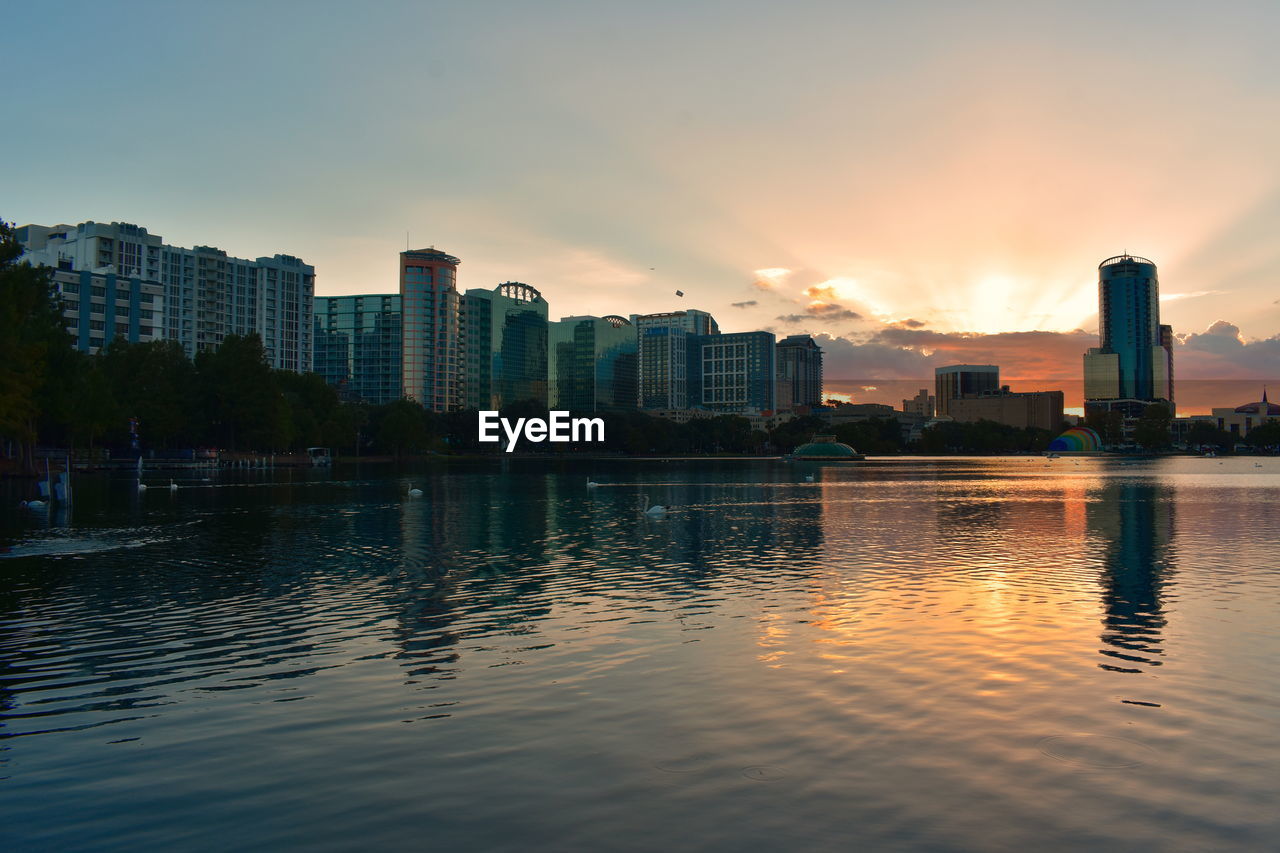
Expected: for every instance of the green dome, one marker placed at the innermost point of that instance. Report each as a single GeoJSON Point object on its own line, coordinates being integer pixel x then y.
{"type": "Point", "coordinates": [825, 447]}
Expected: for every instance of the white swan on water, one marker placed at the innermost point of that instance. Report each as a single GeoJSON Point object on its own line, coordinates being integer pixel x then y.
{"type": "Point", "coordinates": [173, 487]}
{"type": "Point", "coordinates": [591, 484]}
{"type": "Point", "coordinates": [655, 510]}
{"type": "Point", "coordinates": [142, 487]}
{"type": "Point", "coordinates": [414, 493]}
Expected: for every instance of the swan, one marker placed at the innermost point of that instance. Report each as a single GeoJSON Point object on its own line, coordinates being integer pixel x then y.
{"type": "Point", "coordinates": [591, 484]}
{"type": "Point", "coordinates": [173, 487]}
{"type": "Point", "coordinates": [655, 510]}
{"type": "Point", "coordinates": [414, 493]}
{"type": "Point", "coordinates": [142, 487]}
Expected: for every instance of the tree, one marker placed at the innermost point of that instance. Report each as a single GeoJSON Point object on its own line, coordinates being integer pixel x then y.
{"type": "Point", "coordinates": [155, 383]}
{"type": "Point", "coordinates": [1152, 430]}
{"type": "Point", "coordinates": [1203, 433]}
{"type": "Point", "coordinates": [31, 332]}
{"type": "Point", "coordinates": [1264, 435]}
{"type": "Point", "coordinates": [402, 428]}
{"type": "Point", "coordinates": [242, 404]}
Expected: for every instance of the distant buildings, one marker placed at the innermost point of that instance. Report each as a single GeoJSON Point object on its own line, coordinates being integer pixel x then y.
{"type": "Point", "coordinates": [664, 353]}
{"type": "Point", "coordinates": [207, 293]}
{"type": "Point", "coordinates": [957, 380]}
{"type": "Point", "coordinates": [799, 360]}
{"type": "Point", "coordinates": [503, 341]}
{"type": "Point", "coordinates": [923, 404]}
{"type": "Point", "coordinates": [430, 357]}
{"type": "Point", "coordinates": [734, 372]}
{"type": "Point", "coordinates": [357, 345]}
{"type": "Point", "coordinates": [1038, 409]}
{"type": "Point", "coordinates": [1241, 420]}
{"type": "Point", "coordinates": [1133, 366]}
{"type": "Point", "coordinates": [592, 364]}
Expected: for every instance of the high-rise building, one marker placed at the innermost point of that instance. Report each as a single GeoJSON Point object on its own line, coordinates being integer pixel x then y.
{"type": "Point", "coordinates": [591, 364]}
{"type": "Point", "coordinates": [357, 345]}
{"type": "Point", "coordinates": [207, 294]}
{"type": "Point", "coordinates": [665, 356]}
{"type": "Point", "coordinates": [100, 307]}
{"type": "Point", "coordinates": [430, 354]}
{"type": "Point", "coordinates": [799, 372]}
{"type": "Point", "coordinates": [503, 335]}
{"type": "Point", "coordinates": [957, 380]}
{"type": "Point", "coordinates": [734, 372]}
{"type": "Point", "coordinates": [1133, 365]}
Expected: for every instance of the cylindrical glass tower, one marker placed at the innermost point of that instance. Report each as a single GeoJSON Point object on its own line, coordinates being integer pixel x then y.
{"type": "Point", "coordinates": [1129, 322]}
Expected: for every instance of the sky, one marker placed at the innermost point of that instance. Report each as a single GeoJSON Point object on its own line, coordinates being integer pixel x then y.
{"type": "Point", "coordinates": [915, 183]}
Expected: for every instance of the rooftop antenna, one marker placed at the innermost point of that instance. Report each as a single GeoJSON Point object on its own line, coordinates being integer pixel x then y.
{"type": "Point", "coordinates": [406, 240]}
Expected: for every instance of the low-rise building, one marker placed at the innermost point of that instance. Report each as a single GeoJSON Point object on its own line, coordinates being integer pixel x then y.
{"type": "Point", "coordinates": [1241, 420]}
{"type": "Point", "coordinates": [1038, 409]}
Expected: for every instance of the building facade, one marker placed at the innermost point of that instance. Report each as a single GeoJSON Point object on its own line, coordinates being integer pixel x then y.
{"type": "Point", "coordinates": [957, 380]}
{"type": "Point", "coordinates": [1133, 365]}
{"type": "Point", "coordinates": [923, 404]}
{"type": "Point", "coordinates": [101, 307]}
{"type": "Point", "coordinates": [665, 354]}
{"type": "Point", "coordinates": [503, 335]}
{"type": "Point", "coordinates": [357, 346]}
{"type": "Point", "coordinates": [430, 354]}
{"type": "Point", "coordinates": [799, 360]}
{"type": "Point", "coordinates": [592, 364]}
{"type": "Point", "coordinates": [1038, 409]}
{"type": "Point", "coordinates": [207, 293]}
{"type": "Point", "coordinates": [734, 372]}
{"type": "Point", "coordinates": [1242, 420]}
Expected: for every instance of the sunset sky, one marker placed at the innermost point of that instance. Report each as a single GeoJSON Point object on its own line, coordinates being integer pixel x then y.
{"type": "Point", "coordinates": [920, 183]}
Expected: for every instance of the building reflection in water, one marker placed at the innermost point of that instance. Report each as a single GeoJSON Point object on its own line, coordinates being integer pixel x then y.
{"type": "Point", "coordinates": [1133, 525]}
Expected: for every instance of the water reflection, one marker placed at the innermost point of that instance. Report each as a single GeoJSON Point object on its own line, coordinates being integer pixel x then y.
{"type": "Point", "coordinates": [1133, 524]}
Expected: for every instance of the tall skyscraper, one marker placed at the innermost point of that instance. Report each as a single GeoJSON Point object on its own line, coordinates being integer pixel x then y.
{"type": "Point", "coordinates": [357, 343]}
{"type": "Point", "coordinates": [665, 354]}
{"type": "Point", "coordinates": [591, 364]}
{"type": "Point", "coordinates": [430, 352]}
{"type": "Point", "coordinates": [957, 380]}
{"type": "Point", "coordinates": [503, 335]}
{"type": "Point", "coordinates": [1133, 366]}
{"type": "Point", "coordinates": [799, 372]}
{"type": "Point", "coordinates": [207, 293]}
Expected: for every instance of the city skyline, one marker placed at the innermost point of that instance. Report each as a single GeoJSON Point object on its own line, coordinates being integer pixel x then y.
{"type": "Point", "coordinates": [790, 171]}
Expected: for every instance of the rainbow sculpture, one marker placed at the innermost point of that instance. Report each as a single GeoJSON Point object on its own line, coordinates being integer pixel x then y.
{"type": "Point", "coordinates": [1077, 440]}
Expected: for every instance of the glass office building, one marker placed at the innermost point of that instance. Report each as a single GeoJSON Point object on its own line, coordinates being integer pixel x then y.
{"type": "Point", "coordinates": [592, 364]}
{"type": "Point", "coordinates": [429, 356]}
{"type": "Point", "coordinates": [957, 380]}
{"type": "Point", "coordinates": [504, 345]}
{"type": "Point", "coordinates": [357, 340]}
{"type": "Point", "coordinates": [1133, 364]}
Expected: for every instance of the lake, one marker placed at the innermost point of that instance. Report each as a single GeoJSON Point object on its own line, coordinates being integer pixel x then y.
{"type": "Point", "coordinates": [905, 654]}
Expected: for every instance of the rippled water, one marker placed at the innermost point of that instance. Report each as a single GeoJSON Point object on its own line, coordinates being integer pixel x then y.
{"type": "Point", "coordinates": [902, 655]}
